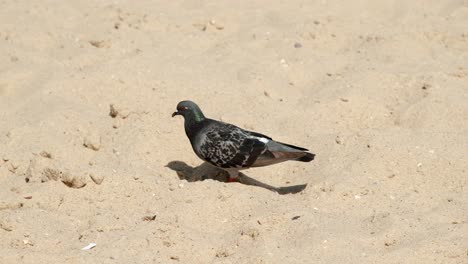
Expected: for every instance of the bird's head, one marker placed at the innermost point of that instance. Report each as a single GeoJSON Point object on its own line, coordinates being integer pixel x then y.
{"type": "Point", "coordinates": [189, 110]}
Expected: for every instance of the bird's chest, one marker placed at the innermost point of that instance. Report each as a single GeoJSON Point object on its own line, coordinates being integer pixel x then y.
{"type": "Point", "coordinates": [197, 142]}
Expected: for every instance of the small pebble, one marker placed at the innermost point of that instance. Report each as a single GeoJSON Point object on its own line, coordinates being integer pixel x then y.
{"type": "Point", "coordinates": [92, 141]}
{"type": "Point", "coordinates": [13, 167]}
{"type": "Point", "coordinates": [199, 26]}
{"type": "Point", "coordinates": [339, 140]}
{"type": "Point", "coordinates": [45, 154]}
{"type": "Point", "coordinates": [149, 218]}
{"type": "Point", "coordinates": [27, 242]}
{"type": "Point", "coordinates": [284, 63]}
{"type": "Point", "coordinates": [113, 112]}
{"type": "Point", "coordinates": [73, 181]}
{"type": "Point", "coordinates": [6, 227]}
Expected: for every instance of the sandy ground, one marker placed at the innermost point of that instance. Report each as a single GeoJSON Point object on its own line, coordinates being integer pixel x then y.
{"type": "Point", "coordinates": [377, 89]}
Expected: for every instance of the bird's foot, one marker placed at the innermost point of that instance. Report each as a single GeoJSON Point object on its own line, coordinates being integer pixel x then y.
{"type": "Point", "coordinates": [232, 179]}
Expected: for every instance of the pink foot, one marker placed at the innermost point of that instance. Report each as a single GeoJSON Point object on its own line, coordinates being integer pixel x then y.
{"type": "Point", "coordinates": [231, 179]}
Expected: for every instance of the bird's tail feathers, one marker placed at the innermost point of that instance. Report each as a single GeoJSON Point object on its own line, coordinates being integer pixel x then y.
{"type": "Point", "coordinates": [270, 157]}
{"type": "Point", "coordinates": [292, 146]}
{"type": "Point", "coordinates": [299, 156]}
{"type": "Point", "coordinates": [308, 157]}
{"type": "Point", "coordinates": [299, 153]}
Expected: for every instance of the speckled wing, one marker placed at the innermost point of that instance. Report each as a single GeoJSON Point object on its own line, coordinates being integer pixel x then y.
{"type": "Point", "coordinates": [227, 146]}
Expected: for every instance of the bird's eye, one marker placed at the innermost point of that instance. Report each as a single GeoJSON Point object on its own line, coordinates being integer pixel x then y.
{"type": "Point", "coordinates": [181, 108]}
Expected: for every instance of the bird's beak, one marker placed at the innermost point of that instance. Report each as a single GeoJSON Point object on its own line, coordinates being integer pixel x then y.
{"type": "Point", "coordinates": [175, 113]}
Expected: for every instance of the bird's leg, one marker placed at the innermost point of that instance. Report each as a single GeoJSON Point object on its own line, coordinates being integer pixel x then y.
{"type": "Point", "coordinates": [233, 174]}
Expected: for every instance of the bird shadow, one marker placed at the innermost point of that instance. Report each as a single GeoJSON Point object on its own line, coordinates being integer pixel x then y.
{"type": "Point", "coordinates": [207, 171]}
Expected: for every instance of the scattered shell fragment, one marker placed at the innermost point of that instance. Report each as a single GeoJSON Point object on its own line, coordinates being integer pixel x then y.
{"type": "Point", "coordinates": [89, 246]}
{"type": "Point", "coordinates": [96, 178]}
{"type": "Point", "coordinates": [99, 43]}
{"type": "Point", "coordinates": [218, 27]}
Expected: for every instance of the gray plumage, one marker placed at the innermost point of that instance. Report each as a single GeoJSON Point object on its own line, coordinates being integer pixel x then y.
{"type": "Point", "coordinates": [233, 148]}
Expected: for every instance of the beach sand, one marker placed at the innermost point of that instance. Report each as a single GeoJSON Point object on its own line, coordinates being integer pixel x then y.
{"type": "Point", "coordinates": [378, 90]}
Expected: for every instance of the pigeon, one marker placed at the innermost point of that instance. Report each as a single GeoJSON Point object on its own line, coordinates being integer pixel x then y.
{"type": "Point", "coordinates": [231, 148]}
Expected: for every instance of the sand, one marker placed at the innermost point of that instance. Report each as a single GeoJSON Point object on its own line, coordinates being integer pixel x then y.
{"type": "Point", "coordinates": [378, 90]}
